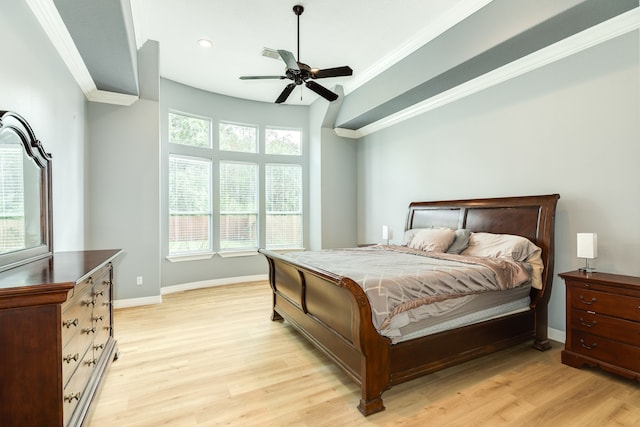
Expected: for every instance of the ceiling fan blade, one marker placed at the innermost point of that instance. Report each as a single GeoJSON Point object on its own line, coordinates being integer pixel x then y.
{"type": "Point", "coordinates": [289, 59]}
{"type": "Point", "coordinates": [262, 77]}
{"type": "Point", "coordinates": [285, 93]}
{"type": "Point", "coordinates": [321, 90]}
{"type": "Point", "coordinates": [331, 72]}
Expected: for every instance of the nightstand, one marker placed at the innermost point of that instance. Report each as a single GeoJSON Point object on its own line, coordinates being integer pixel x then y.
{"type": "Point", "coordinates": [603, 322]}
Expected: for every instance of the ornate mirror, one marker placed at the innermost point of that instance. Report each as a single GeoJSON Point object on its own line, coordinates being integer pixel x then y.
{"type": "Point", "coordinates": [25, 194]}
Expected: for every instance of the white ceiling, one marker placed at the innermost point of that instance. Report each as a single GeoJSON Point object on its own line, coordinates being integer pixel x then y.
{"type": "Point", "coordinates": [367, 35]}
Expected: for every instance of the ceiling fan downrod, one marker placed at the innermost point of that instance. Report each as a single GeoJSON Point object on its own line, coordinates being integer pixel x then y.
{"type": "Point", "coordinates": [298, 9]}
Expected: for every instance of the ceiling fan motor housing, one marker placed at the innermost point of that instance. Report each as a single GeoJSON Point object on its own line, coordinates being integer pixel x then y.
{"type": "Point", "coordinates": [301, 75]}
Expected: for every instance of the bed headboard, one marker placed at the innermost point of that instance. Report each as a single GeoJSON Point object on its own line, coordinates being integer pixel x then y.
{"type": "Point", "coordinates": [532, 217]}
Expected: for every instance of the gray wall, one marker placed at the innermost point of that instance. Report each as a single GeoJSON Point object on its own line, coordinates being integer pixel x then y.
{"type": "Point", "coordinates": [572, 127]}
{"type": "Point", "coordinates": [35, 83]}
{"type": "Point", "coordinates": [332, 213]}
{"type": "Point", "coordinates": [175, 96]}
{"type": "Point", "coordinates": [124, 182]}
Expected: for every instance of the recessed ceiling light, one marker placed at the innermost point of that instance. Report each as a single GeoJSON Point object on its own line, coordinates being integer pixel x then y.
{"type": "Point", "coordinates": [205, 43]}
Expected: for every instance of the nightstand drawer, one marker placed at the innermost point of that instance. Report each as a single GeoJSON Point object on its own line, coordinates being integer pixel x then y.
{"type": "Point", "coordinates": [621, 306]}
{"type": "Point", "coordinates": [605, 350]}
{"type": "Point", "coordinates": [605, 326]}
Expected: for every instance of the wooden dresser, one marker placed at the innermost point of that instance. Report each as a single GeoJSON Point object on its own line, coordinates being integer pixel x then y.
{"type": "Point", "coordinates": [603, 322]}
{"type": "Point", "coordinates": [56, 337]}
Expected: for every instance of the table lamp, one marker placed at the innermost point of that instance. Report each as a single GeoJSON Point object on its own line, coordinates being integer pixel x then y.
{"type": "Point", "coordinates": [587, 249]}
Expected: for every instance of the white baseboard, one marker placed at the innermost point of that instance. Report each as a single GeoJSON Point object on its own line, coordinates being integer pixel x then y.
{"type": "Point", "coordinates": [214, 282]}
{"type": "Point", "coordinates": [557, 335]}
{"type": "Point", "coordinates": [157, 299]}
{"type": "Point", "coordinates": [134, 302]}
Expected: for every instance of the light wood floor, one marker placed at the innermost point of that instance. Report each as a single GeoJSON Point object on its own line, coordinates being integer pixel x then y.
{"type": "Point", "coordinates": [213, 357]}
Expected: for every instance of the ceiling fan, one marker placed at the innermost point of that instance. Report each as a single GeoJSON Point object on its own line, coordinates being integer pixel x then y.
{"type": "Point", "coordinates": [300, 73]}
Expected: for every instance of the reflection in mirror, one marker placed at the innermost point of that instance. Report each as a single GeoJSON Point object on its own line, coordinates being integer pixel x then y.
{"type": "Point", "coordinates": [19, 203]}
{"type": "Point", "coordinates": [25, 203]}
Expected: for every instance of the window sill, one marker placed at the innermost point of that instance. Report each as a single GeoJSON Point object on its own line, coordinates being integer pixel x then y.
{"type": "Point", "coordinates": [238, 253]}
{"type": "Point", "coordinates": [190, 257]}
{"type": "Point", "coordinates": [226, 254]}
{"type": "Point", "coordinates": [286, 250]}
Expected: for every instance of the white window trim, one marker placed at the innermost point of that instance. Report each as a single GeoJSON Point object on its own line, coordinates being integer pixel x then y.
{"type": "Point", "coordinates": [216, 155]}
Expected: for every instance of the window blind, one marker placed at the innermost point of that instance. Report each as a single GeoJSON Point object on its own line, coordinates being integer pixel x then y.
{"type": "Point", "coordinates": [238, 205]}
{"type": "Point", "coordinates": [12, 199]}
{"type": "Point", "coordinates": [189, 204]}
{"type": "Point", "coordinates": [283, 198]}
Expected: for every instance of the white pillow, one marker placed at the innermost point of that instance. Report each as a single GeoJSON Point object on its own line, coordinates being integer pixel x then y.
{"type": "Point", "coordinates": [492, 245]}
{"type": "Point", "coordinates": [433, 239]}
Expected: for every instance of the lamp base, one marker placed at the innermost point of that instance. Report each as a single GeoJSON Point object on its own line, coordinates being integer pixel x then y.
{"type": "Point", "coordinates": [586, 269]}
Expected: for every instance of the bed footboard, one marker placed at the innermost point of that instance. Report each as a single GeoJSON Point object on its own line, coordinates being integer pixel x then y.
{"type": "Point", "coordinates": [334, 314]}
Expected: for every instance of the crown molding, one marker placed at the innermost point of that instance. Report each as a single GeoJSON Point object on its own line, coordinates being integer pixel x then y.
{"type": "Point", "coordinates": [50, 20]}
{"type": "Point", "coordinates": [452, 17]}
{"type": "Point", "coordinates": [607, 30]}
{"type": "Point", "coordinates": [107, 97]}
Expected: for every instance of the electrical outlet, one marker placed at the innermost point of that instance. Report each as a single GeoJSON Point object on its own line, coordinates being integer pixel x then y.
{"type": "Point", "coordinates": [139, 280]}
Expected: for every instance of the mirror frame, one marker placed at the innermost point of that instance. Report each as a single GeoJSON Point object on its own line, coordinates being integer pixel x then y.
{"type": "Point", "coordinates": [33, 148]}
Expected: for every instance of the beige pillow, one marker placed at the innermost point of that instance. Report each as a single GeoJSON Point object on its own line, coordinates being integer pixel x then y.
{"type": "Point", "coordinates": [410, 234]}
{"type": "Point", "coordinates": [492, 245]}
{"type": "Point", "coordinates": [536, 264]}
{"type": "Point", "coordinates": [433, 239]}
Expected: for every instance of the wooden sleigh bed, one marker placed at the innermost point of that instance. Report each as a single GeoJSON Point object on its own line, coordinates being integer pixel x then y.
{"type": "Point", "coordinates": [334, 313]}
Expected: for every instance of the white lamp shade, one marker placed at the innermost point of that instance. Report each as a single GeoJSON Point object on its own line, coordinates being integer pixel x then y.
{"type": "Point", "coordinates": [587, 245]}
{"type": "Point", "coordinates": [385, 232]}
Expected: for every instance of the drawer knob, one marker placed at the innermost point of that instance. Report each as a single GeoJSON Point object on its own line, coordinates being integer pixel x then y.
{"type": "Point", "coordinates": [98, 318]}
{"type": "Point", "coordinates": [98, 294]}
{"type": "Point", "coordinates": [68, 358]}
{"type": "Point", "coordinates": [98, 347]}
{"type": "Point", "coordinates": [89, 331]}
{"type": "Point", "coordinates": [91, 362]}
{"type": "Point", "coordinates": [90, 302]}
{"type": "Point", "coordinates": [588, 325]}
{"type": "Point", "coordinates": [588, 347]}
{"type": "Point", "coordinates": [70, 397]}
{"type": "Point", "coordinates": [582, 300]}
{"type": "Point", "coordinates": [69, 323]}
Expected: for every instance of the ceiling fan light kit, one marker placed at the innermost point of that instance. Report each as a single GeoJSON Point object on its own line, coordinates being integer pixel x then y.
{"type": "Point", "coordinates": [300, 73]}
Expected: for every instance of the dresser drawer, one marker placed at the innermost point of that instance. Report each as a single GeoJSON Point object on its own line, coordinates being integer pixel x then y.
{"type": "Point", "coordinates": [606, 350]}
{"type": "Point", "coordinates": [621, 306]}
{"type": "Point", "coordinates": [605, 326]}
{"type": "Point", "coordinates": [76, 347]}
{"type": "Point", "coordinates": [74, 390]}
{"type": "Point", "coordinates": [75, 294]}
{"type": "Point", "coordinates": [75, 313]}
{"type": "Point", "coordinates": [102, 323]}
